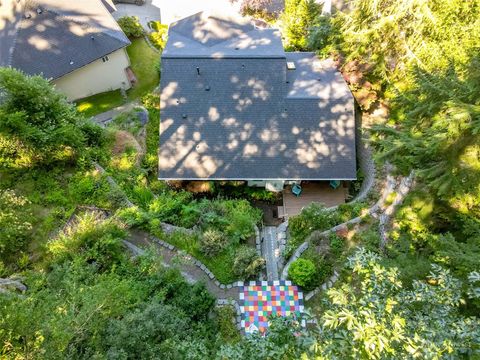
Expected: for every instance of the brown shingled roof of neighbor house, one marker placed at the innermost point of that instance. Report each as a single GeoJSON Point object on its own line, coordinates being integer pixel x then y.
{"type": "Point", "coordinates": [231, 109]}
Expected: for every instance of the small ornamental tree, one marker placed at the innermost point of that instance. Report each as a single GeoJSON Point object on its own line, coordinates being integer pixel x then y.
{"type": "Point", "coordinates": [247, 263]}
{"type": "Point", "coordinates": [131, 26]}
{"type": "Point", "coordinates": [302, 272]}
{"type": "Point", "coordinates": [297, 21]}
{"type": "Point", "coordinates": [159, 36]}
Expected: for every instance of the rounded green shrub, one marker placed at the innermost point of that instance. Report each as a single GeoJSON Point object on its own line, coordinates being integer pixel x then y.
{"type": "Point", "coordinates": [213, 242]}
{"type": "Point", "coordinates": [302, 272]}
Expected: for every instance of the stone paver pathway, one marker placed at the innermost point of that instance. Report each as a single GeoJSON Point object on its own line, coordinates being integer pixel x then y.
{"type": "Point", "coordinates": [271, 251]}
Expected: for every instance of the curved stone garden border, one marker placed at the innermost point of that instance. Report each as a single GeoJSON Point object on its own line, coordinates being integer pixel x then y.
{"type": "Point", "coordinates": [388, 188]}
{"type": "Point", "coordinates": [168, 228]}
{"type": "Point", "coordinates": [367, 166]}
{"type": "Point", "coordinates": [404, 187]}
{"type": "Point", "coordinates": [326, 285]}
{"type": "Point", "coordinates": [197, 263]}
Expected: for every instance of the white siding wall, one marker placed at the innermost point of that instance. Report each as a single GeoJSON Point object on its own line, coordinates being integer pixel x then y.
{"type": "Point", "coordinates": [96, 77]}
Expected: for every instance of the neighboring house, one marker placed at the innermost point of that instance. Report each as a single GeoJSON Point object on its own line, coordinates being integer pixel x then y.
{"type": "Point", "coordinates": [74, 43]}
{"type": "Point", "coordinates": [236, 106]}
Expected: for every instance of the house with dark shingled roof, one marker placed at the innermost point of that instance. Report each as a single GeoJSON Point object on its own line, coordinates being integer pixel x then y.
{"type": "Point", "coordinates": [236, 106]}
{"type": "Point", "coordinates": [77, 45]}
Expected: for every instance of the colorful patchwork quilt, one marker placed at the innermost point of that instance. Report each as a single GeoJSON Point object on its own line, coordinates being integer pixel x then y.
{"type": "Point", "coordinates": [259, 299]}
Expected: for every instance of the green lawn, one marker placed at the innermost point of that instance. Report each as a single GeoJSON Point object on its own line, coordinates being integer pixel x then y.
{"type": "Point", "coordinates": [143, 62]}
{"type": "Point", "coordinates": [99, 103]}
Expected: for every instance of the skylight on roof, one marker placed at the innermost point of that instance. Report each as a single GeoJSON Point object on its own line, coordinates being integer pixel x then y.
{"type": "Point", "coordinates": [290, 65]}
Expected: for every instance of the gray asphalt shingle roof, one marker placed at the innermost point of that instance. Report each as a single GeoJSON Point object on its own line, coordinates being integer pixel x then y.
{"type": "Point", "coordinates": [248, 117]}
{"type": "Point", "coordinates": [64, 36]}
{"type": "Point", "coordinates": [214, 35]}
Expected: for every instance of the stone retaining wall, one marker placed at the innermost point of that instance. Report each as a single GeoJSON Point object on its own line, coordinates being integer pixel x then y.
{"type": "Point", "coordinates": [388, 188]}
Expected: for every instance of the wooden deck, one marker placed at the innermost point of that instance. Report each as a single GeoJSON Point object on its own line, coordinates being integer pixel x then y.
{"type": "Point", "coordinates": [319, 192]}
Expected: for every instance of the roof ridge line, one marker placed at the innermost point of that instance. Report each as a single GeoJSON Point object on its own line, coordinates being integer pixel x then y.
{"type": "Point", "coordinates": [82, 23]}
{"type": "Point", "coordinates": [244, 34]}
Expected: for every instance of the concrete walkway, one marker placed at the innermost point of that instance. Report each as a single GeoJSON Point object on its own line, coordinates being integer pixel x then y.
{"type": "Point", "coordinates": [271, 251]}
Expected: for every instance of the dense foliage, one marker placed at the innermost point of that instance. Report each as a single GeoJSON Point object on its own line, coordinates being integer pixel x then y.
{"type": "Point", "coordinates": [131, 26]}
{"type": "Point", "coordinates": [317, 217]}
{"type": "Point", "coordinates": [91, 301]}
{"type": "Point", "coordinates": [14, 222]}
{"type": "Point", "coordinates": [247, 263]}
{"type": "Point", "coordinates": [372, 316]}
{"type": "Point", "coordinates": [302, 272]}
{"type": "Point", "coordinates": [158, 37]}
{"type": "Point", "coordinates": [296, 21]}
{"type": "Point", "coordinates": [38, 125]}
